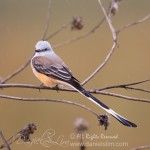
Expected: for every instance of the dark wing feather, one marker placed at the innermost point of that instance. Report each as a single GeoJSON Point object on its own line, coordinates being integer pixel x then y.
{"type": "Point", "coordinates": [60, 72]}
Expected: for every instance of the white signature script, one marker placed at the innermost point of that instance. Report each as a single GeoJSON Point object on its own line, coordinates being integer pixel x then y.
{"type": "Point", "coordinates": [46, 140]}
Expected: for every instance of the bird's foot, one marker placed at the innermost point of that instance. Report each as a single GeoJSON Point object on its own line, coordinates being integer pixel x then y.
{"type": "Point", "coordinates": [41, 86]}
{"type": "Point", "coordinates": [56, 88]}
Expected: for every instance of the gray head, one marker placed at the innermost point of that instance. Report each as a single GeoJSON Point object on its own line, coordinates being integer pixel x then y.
{"type": "Point", "coordinates": [43, 46]}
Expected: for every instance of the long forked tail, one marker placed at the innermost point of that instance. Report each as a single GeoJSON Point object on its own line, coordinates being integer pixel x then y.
{"type": "Point", "coordinates": [121, 119]}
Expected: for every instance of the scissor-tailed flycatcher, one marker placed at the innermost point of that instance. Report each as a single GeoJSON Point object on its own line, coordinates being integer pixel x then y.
{"type": "Point", "coordinates": [52, 71]}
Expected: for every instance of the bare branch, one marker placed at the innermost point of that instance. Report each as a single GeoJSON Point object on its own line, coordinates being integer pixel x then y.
{"type": "Point", "coordinates": [112, 29]}
{"type": "Point", "coordinates": [81, 36]}
{"type": "Point", "coordinates": [28, 62]}
{"type": "Point", "coordinates": [56, 46]}
{"type": "Point", "coordinates": [15, 72]}
{"type": "Point", "coordinates": [47, 20]}
{"type": "Point", "coordinates": [4, 140]}
{"type": "Point", "coordinates": [23, 86]}
{"type": "Point", "coordinates": [114, 46]}
{"type": "Point", "coordinates": [134, 23]}
{"type": "Point", "coordinates": [95, 91]}
{"type": "Point", "coordinates": [15, 85]}
{"type": "Point", "coordinates": [114, 34]}
{"type": "Point", "coordinates": [121, 96]}
{"type": "Point", "coordinates": [101, 66]}
{"type": "Point", "coordinates": [11, 140]}
{"type": "Point", "coordinates": [126, 86]}
{"type": "Point", "coordinates": [23, 134]}
{"type": "Point", "coordinates": [138, 89]}
{"type": "Point", "coordinates": [141, 147]}
{"type": "Point", "coordinates": [58, 30]}
{"type": "Point", "coordinates": [48, 100]}
{"type": "Point", "coordinates": [123, 85]}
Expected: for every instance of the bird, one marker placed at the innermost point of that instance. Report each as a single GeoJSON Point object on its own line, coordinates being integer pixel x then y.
{"type": "Point", "coordinates": [51, 70]}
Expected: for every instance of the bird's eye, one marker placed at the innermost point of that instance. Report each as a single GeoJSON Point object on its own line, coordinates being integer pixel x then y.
{"type": "Point", "coordinates": [45, 49]}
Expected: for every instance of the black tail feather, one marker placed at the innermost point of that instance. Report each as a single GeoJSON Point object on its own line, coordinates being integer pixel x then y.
{"type": "Point", "coordinates": [121, 119]}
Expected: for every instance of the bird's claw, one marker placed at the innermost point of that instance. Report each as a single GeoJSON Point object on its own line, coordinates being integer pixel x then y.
{"type": "Point", "coordinates": [56, 88]}
{"type": "Point", "coordinates": [41, 86]}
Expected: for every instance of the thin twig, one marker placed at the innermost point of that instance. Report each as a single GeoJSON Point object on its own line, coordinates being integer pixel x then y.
{"type": "Point", "coordinates": [16, 72]}
{"type": "Point", "coordinates": [56, 46]}
{"type": "Point", "coordinates": [47, 20]}
{"type": "Point", "coordinates": [112, 29]}
{"type": "Point", "coordinates": [11, 140]}
{"type": "Point", "coordinates": [28, 62]}
{"type": "Point", "coordinates": [123, 85]}
{"type": "Point", "coordinates": [101, 66]}
{"type": "Point", "coordinates": [15, 85]}
{"type": "Point", "coordinates": [95, 91]}
{"type": "Point", "coordinates": [58, 30]}
{"type": "Point", "coordinates": [126, 86]}
{"type": "Point", "coordinates": [114, 33]}
{"type": "Point", "coordinates": [81, 36]}
{"type": "Point", "coordinates": [114, 46]}
{"type": "Point", "coordinates": [4, 140]}
{"type": "Point", "coordinates": [141, 147]}
{"type": "Point", "coordinates": [138, 89]}
{"type": "Point", "coordinates": [2, 81]}
{"type": "Point", "coordinates": [23, 134]}
{"type": "Point", "coordinates": [23, 86]}
{"type": "Point", "coordinates": [121, 96]}
{"type": "Point", "coordinates": [134, 23]}
{"type": "Point", "coordinates": [48, 100]}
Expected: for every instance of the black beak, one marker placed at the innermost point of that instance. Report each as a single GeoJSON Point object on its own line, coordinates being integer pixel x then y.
{"type": "Point", "coordinates": [37, 50]}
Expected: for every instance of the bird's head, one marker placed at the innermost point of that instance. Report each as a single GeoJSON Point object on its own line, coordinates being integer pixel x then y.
{"type": "Point", "coordinates": [43, 46]}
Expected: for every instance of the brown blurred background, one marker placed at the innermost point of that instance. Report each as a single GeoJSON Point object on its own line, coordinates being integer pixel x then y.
{"type": "Point", "coordinates": [22, 25]}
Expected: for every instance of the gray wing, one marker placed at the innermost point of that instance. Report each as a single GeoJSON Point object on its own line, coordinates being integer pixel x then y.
{"type": "Point", "coordinates": [57, 71]}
